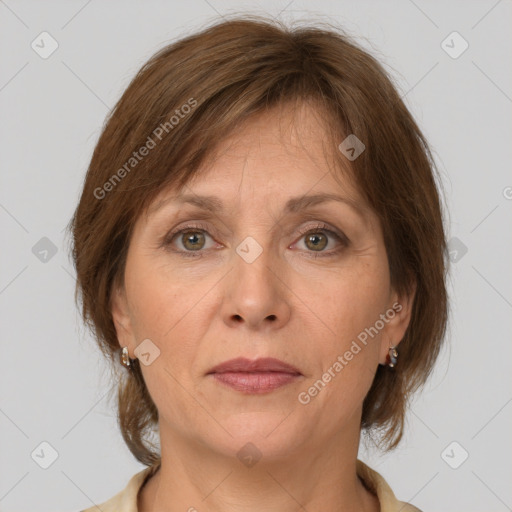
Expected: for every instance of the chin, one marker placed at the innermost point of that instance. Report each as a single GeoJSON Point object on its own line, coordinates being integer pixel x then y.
{"type": "Point", "coordinates": [270, 434]}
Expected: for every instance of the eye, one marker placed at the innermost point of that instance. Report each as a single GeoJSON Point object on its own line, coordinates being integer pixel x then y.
{"type": "Point", "coordinates": [317, 238]}
{"type": "Point", "coordinates": [188, 240]}
{"type": "Point", "coordinates": [191, 240]}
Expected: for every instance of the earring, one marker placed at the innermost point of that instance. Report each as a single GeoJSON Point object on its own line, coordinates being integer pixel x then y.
{"type": "Point", "coordinates": [125, 358]}
{"type": "Point", "coordinates": [392, 357]}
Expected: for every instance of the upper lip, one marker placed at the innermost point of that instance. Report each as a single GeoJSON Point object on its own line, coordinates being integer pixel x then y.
{"type": "Point", "coordinates": [263, 364]}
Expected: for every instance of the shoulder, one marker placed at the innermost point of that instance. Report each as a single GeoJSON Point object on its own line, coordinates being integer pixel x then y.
{"type": "Point", "coordinates": [407, 507]}
{"type": "Point", "coordinates": [376, 483]}
{"type": "Point", "coordinates": [126, 499]}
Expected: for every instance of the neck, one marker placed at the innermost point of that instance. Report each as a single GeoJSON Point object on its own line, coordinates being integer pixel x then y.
{"type": "Point", "coordinates": [194, 479]}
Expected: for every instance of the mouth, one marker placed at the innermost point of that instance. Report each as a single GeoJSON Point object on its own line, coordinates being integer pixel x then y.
{"type": "Point", "coordinates": [255, 377]}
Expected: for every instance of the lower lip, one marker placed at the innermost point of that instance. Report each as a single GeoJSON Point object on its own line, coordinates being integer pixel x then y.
{"type": "Point", "coordinates": [257, 382]}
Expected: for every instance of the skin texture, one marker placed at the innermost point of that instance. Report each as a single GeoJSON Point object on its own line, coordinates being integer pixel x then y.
{"type": "Point", "coordinates": [201, 311]}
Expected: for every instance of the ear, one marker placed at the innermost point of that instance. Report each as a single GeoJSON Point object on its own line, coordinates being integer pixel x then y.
{"type": "Point", "coordinates": [398, 316]}
{"type": "Point", "coordinates": [122, 318]}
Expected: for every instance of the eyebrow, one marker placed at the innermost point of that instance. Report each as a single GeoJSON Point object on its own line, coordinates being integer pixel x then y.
{"type": "Point", "coordinates": [293, 205]}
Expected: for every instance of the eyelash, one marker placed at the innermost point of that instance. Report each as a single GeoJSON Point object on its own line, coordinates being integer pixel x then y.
{"type": "Point", "coordinates": [167, 241]}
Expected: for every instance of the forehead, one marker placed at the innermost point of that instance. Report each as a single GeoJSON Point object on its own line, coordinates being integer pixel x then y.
{"type": "Point", "coordinates": [290, 146]}
{"type": "Point", "coordinates": [290, 131]}
{"type": "Point", "coordinates": [277, 156]}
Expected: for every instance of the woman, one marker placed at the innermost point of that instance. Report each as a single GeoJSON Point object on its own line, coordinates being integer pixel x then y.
{"type": "Point", "coordinates": [259, 248]}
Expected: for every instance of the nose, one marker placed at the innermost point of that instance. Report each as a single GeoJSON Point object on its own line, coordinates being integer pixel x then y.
{"type": "Point", "coordinates": [256, 295]}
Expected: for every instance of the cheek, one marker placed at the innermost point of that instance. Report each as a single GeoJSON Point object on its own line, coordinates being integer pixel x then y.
{"type": "Point", "coordinates": [355, 303]}
{"type": "Point", "coordinates": [159, 302]}
{"type": "Point", "coordinates": [344, 394]}
{"type": "Point", "coordinates": [170, 312]}
{"type": "Point", "coordinates": [353, 300]}
{"type": "Point", "coordinates": [347, 358]}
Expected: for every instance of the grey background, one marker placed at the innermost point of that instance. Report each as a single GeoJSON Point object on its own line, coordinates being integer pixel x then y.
{"type": "Point", "coordinates": [53, 382]}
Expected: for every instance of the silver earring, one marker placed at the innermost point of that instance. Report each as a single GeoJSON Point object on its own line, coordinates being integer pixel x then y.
{"type": "Point", "coordinates": [392, 357]}
{"type": "Point", "coordinates": [125, 358]}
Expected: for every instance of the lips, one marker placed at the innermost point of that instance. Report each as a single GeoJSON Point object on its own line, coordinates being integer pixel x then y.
{"type": "Point", "coordinates": [261, 365]}
{"type": "Point", "coordinates": [255, 377]}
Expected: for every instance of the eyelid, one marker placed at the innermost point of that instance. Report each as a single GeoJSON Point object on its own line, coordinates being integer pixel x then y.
{"type": "Point", "coordinates": [199, 226]}
{"type": "Point", "coordinates": [322, 226]}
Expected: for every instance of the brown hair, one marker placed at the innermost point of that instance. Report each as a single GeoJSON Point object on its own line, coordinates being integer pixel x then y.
{"type": "Point", "coordinates": [181, 104]}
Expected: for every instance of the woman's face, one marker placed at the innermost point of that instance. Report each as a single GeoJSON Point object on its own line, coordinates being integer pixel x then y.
{"type": "Point", "coordinates": [246, 280]}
